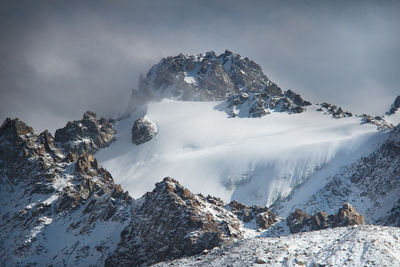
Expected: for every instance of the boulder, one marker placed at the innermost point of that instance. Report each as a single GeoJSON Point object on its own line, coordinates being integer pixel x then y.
{"type": "Point", "coordinates": [143, 131]}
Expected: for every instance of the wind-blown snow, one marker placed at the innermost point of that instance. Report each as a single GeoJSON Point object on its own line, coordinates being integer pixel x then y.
{"type": "Point", "coordinates": [252, 160]}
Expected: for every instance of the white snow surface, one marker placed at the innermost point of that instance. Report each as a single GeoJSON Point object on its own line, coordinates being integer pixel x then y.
{"type": "Point", "coordinates": [252, 160]}
{"type": "Point", "coordinates": [365, 245]}
{"type": "Point", "coordinates": [394, 118]}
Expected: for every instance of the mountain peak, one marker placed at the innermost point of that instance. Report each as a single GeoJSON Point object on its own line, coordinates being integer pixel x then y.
{"type": "Point", "coordinates": [395, 106]}
{"type": "Point", "coordinates": [16, 127]}
{"type": "Point", "coordinates": [211, 77]}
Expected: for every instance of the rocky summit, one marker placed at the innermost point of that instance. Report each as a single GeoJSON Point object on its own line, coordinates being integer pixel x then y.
{"type": "Point", "coordinates": [240, 81]}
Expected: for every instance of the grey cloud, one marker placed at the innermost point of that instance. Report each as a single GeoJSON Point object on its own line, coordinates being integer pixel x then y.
{"type": "Point", "coordinates": [60, 58]}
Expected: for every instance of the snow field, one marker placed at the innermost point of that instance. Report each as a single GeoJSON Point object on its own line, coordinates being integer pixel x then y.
{"type": "Point", "coordinates": [252, 160]}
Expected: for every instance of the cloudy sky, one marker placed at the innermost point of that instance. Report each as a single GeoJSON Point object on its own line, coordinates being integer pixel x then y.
{"type": "Point", "coordinates": [60, 58]}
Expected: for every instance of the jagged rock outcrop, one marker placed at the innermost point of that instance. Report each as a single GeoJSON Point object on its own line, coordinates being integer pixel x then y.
{"type": "Point", "coordinates": [263, 217]}
{"type": "Point", "coordinates": [336, 112]}
{"type": "Point", "coordinates": [171, 222]}
{"type": "Point", "coordinates": [240, 81]}
{"type": "Point", "coordinates": [299, 221]}
{"type": "Point", "coordinates": [395, 106]}
{"type": "Point", "coordinates": [85, 136]}
{"type": "Point", "coordinates": [47, 198]}
{"type": "Point", "coordinates": [143, 131]}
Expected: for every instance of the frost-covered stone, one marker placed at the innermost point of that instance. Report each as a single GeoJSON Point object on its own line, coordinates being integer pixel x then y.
{"type": "Point", "coordinates": [143, 131]}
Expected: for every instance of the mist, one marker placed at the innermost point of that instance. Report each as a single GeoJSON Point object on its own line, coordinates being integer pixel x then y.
{"type": "Point", "coordinates": [61, 58]}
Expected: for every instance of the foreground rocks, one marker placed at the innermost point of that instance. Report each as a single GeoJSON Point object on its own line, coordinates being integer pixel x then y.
{"type": "Point", "coordinates": [171, 222]}
{"type": "Point", "coordinates": [300, 221]}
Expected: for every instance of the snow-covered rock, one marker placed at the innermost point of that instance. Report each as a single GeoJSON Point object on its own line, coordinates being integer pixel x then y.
{"type": "Point", "coordinates": [55, 211]}
{"type": "Point", "coordinates": [85, 136]}
{"type": "Point", "coordinates": [171, 222]}
{"type": "Point", "coordinates": [347, 215]}
{"type": "Point", "coordinates": [247, 90]}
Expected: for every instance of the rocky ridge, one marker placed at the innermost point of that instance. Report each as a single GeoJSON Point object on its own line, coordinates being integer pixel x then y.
{"type": "Point", "coordinates": [85, 136]}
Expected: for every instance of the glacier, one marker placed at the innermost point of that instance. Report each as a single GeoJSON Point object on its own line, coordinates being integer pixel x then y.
{"type": "Point", "coordinates": [252, 160]}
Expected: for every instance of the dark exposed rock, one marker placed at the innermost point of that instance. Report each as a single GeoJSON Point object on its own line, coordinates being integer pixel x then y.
{"type": "Point", "coordinates": [300, 221]}
{"type": "Point", "coordinates": [262, 216]}
{"type": "Point", "coordinates": [240, 81]}
{"type": "Point", "coordinates": [143, 131]}
{"type": "Point", "coordinates": [172, 222]}
{"type": "Point", "coordinates": [85, 136]}
{"type": "Point", "coordinates": [347, 215]}
{"type": "Point", "coordinates": [395, 106]}
{"type": "Point", "coordinates": [336, 112]}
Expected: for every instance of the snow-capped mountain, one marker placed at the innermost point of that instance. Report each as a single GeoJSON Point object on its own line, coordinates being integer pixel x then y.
{"type": "Point", "coordinates": [274, 163]}
{"type": "Point", "coordinates": [393, 115]}
{"type": "Point", "coordinates": [249, 92]}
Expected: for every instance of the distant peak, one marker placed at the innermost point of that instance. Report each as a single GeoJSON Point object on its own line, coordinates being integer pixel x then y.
{"type": "Point", "coordinates": [395, 106]}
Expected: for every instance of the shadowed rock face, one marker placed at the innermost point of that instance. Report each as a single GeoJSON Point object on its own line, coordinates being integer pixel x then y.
{"type": "Point", "coordinates": [347, 215]}
{"type": "Point", "coordinates": [172, 222]}
{"type": "Point", "coordinates": [85, 136]}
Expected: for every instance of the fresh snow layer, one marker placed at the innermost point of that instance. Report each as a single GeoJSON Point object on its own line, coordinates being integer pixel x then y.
{"type": "Point", "coordinates": [364, 245]}
{"type": "Point", "coordinates": [252, 160]}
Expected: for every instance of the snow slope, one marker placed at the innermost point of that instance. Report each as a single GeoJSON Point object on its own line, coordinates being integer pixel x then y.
{"type": "Point", "coordinates": [364, 245]}
{"type": "Point", "coordinates": [252, 160]}
{"type": "Point", "coordinates": [393, 118]}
